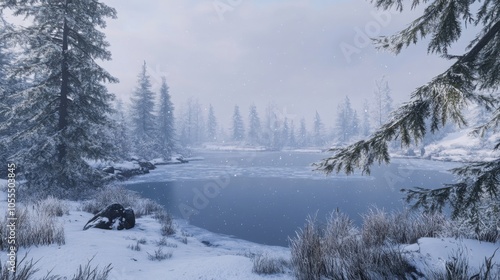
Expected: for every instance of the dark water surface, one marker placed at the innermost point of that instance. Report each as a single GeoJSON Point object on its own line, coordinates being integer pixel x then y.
{"type": "Point", "coordinates": [265, 197]}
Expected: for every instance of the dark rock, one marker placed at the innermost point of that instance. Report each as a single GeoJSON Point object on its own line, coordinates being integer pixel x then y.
{"type": "Point", "coordinates": [113, 216]}
{"type": "Point", "coordinates": [182, 160]}
{"type": "Point", "coordinates": [146, 165]}
{"type": "Point", "coordinates": [129, 173]}
{"type": "Point", "coordinates": [109, 169]}
{"type": "Point", "coordinates": [128, 219]}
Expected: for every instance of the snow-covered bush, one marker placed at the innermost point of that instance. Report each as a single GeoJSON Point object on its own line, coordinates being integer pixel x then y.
{"type": "Point", "coordinates": [134, 247]}
{"type": "Point", "coordinates": [403, 227]}
{"type": "Point", "coordinates": [53, 207]}
{"type": "Point", "coordinates": [307, 255]}
{"type": "Point", "coordinates": [24, 271]}
{"type": "Point", "coordinates": [127, 198]}
{"type": "Point", "coordinates": [166, 222]}
{"type": "Point", "coordinates": [341, 251]}
{"type": "Point", "coordinates": [159, 255]}
{"type": "Point", "coordinates": [36, 227]}
{"type": "Point", "coordinates": [481, 222]}
{"type": "Point", "coordinates": [268, 265]}
{"type": "Point", "coordinates": [91, 273]}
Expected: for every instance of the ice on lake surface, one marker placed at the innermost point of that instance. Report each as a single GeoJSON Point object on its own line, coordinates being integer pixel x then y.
{"type": "Point", "coordinates": [292, 165]}
{"type": "Point", "coordinates": [266, 196]}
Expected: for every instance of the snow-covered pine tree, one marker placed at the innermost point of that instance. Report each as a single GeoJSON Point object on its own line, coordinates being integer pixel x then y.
{"type": "Point", "coordinates": [292, 140]}
{"type": "Point", "coordinates": [166, 129]}
{"type": "Point", "coordinates": [121, 133]}
{"type": "Point", "coordinates": [347, 122]}
{"type": "Point", "coordinates": [382, 102]}
{"type": "Point", "coordinates": [211, 125]}
{"type": "Point", "coordinates": [238, 128]}
{"type": "Point", "coordinates": [365, 125]}
{"type": "Point", "coordinates": [302, 140]}
{"type": "Point", "coordinates": [471, 78]}
{"type": "Point", "coordinates": [254, 127]}
{"type": "Point", "coordinates": [285, 133]}
{"type": "Point", "coordinates": [65, 108]}
{"type": "Point", "coordinates": [191, 123]}
{"type": "Point", "coordinates": [318, 134]}
{"type": "Point", "coordinates": [7, 100]}
{"type": "Point", "coordinates": [144, 133]}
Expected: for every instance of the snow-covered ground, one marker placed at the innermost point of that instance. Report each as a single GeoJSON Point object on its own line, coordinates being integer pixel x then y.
{"type": "Point", "coordinates": [463, 146]}
{"type": "Point", "coordinates": [205, 255]}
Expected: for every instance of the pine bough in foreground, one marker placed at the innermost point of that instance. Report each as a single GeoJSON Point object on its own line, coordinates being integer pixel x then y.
{"type": "Point", "coordinates": [468, 81]}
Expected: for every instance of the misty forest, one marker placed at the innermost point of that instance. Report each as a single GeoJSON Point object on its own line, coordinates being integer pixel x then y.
{"type": "Point", "coordinates": [236, 140]}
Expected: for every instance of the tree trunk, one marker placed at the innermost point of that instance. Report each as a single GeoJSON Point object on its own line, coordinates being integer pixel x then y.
{"type": "Point", "coordinates": [63, 96]}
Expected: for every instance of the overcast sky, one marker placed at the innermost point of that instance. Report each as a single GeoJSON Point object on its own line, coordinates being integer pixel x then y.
{"type": "Point", "coordinates": [303, 55]}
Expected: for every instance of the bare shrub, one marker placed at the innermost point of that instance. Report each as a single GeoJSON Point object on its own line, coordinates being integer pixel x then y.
{"type": "Point", "coordinates": [376, 227]}
{"type": "Point", "coordinates": [92, 273]}
{"type": "Point", "coordinates": [53, 207]}
{"type": "Point", "coordinates": [36, 228]}
{"type": "Point", "coordinates": [401, 226]}
{"type": "Point", "coordinates": [159, 255]}
{"type": "Point", "coordinates": [307, 255]}
{"type": "Point", "coordinates": [268, 265]}
{"type": "Point", "coordinates": [166, 223]}
{"type": "Point", "coordinates": [24, 270]}
{"type": "Point", "coordinates": [162, 242]}
{"type": "Point", "coordinates": [134, 247]}
{"type": "Point", "coordinates": [341, 251]}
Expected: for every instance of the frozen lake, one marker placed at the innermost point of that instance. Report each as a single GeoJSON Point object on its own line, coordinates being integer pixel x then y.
{"type": "Point", "coordinates": [266, 196]}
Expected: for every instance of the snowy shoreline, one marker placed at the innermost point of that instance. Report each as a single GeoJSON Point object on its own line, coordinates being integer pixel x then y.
{"type": "Point", "coordinates": [206, 255]}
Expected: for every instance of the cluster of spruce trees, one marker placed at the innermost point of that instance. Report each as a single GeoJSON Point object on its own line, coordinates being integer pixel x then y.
{"type": "Point", "coordinates": [152, 132]}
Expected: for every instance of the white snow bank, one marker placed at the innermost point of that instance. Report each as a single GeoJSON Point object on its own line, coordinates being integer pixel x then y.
{"type": "Point", "coordinates": [463, 146]}
{"type": "Point", "coordinates": [433, 253]}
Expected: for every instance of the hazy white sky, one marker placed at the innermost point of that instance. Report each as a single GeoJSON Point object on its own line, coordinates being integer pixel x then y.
{"type": "Point", "coordinates": [303, 55]}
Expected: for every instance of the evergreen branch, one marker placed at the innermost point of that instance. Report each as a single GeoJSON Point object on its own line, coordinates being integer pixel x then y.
{"type": "Point", "coordinates": [441, 100]}
{"type": "Point", "coordinates": [431, 200]}
{"type": "Point", "coordinates": [481, 179]}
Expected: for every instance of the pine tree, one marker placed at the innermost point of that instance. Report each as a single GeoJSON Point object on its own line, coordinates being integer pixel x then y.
{"type": "Point", "coordinates": [302, 139]}
{"type": "Point", "coordinates": [347, 123]}
{"type": "Point", "coordinates": [191, 123]}
{"type": "Point", "coordinates": [166, 129]}
{"type": "Point", "coordinates": [238, 127]}
{"type": "Point", "coordinates": [292, 140]}
{"type": "Point", "coordinates": [276, 134]}
{"type": "Point", "coordinates": [285, 133]}
{"type": "Point", "coordinates": [211, 125]}
{"type": "Point", "coordinates": [382, 101]}
{"type": "Point", "coordinates": [366, 126]}
{"type": "Point", "coordinates": [469, 79]}
{"type": "Point", "coordinates": [7, 100]}
{"type": "Point", "coordinates": [144, 130]}
{"type": "Point", "coordinates": [318, 131]}
{"type": "Point", "coordinates": [121, 133]}
{"type": "Point", "coordinates": [254, 127]}
{"type": "Point", "coordinates": [65, 105]}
